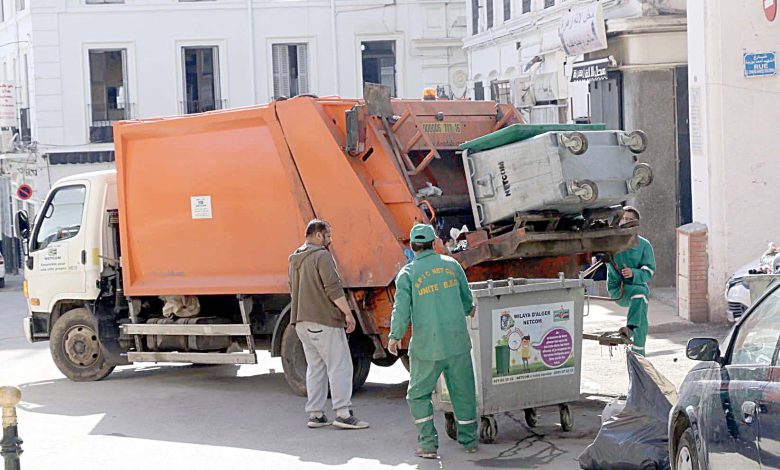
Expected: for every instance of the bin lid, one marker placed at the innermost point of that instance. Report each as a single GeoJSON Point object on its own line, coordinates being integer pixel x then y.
{"type": "Point", "coordinates": [518, 132]}
{"type": "Point", "coordinates": [494, 288]}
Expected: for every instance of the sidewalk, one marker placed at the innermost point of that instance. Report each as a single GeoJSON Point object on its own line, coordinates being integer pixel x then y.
{"type": "Point", "coordinates": [661, 314]}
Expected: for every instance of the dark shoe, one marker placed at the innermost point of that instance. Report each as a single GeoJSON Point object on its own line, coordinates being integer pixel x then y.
{"type": "Point", "coordinates": [427, 454]}
{"type": "Point", "coordinates": [349, 423]}
{"type": "Point", "coordinates": [320, 422]}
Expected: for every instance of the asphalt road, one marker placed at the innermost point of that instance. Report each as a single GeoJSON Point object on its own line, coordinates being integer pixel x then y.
{"type": "Point", "coordinates": [214, 417]}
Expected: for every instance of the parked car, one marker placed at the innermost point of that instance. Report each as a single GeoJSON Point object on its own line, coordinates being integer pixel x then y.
{"type": "Point", "coordinates": [2, 271]}
{"type": "Point", "coordinates": [728, 412]}
{"type": "Point", "coordinates": [737, 293]}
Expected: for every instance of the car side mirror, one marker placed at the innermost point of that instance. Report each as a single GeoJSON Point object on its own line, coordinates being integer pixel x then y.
{"type": "Point", "coordinates": [23, 225]}
{"type": "Point", "coordinates": [703, 349]}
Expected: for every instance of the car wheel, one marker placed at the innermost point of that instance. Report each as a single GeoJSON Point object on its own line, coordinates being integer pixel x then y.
{"type": "Point", "coordinates": [686, 458]}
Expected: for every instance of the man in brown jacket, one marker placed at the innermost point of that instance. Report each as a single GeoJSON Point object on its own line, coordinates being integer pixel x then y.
{"type": "Point", "coordinates": [320, 313]}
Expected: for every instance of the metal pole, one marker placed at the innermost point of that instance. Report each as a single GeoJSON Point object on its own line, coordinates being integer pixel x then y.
{"type": "Point", "coordinates": [10, 445]}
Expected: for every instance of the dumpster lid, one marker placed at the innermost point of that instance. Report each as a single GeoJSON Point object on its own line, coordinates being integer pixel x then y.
{"type": "Point", "coordinates": [518, 132]}
{"type": "Point", "coordinates": [512, 285]}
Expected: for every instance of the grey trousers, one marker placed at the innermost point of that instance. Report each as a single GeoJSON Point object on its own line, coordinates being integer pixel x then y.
{"type": "Point", "coordinates": [328, 360]}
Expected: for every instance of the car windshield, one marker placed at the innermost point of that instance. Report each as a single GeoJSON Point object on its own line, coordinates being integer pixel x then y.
{"type": "Point", "coordinates": [757, 337]}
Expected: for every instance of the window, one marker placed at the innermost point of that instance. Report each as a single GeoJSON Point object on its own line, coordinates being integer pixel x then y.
{"type": "Point", "coordinates": [756, 341]}
{"type": "Point", "coordinates": [379, 63]}
{"type": "Point", "coordinates": [291, 66]}
{"type": "Point", "coordinates": [500, 91]}
{"type": "Point", "coordinates": [479, 91]}
{"type": "Point", "coordinates": [108, 91]}
{"type": "Point", "coordinates": [549, 3]}
{"type": "Point", "coordinates": [489, 13]}
{"type": "Point", "coordinates": [201, 79]}
{"type": "Point", "coordinates": [61, 218]}
{"type": "Point", "coordinates": [507, 10]}
{"type": "Point", "coordinates": [526, 6]}
{"type": "Point", "coordinates": [474, 16]}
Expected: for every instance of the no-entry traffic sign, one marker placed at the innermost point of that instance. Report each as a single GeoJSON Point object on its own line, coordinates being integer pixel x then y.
{"type": "Point", "coordinates": [24, 192]}
{"type": "Point", "coordinates": [770, 9]}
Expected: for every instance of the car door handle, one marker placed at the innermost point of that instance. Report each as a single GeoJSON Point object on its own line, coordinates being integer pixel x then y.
{"type": "Point", "coordinates": [749, 409]}
{"type": "Point", "coordinates": [83, 256]}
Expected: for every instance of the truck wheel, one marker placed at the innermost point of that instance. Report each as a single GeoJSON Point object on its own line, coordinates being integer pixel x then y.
{"type": "Point", "coordinates": [294, 363]}
{"type": "Point", "coordinates": [450, 426]}
{"type": "Point", "coordinates": [530, 417]}
{"type": "Point", "coordinates": [75, 347]}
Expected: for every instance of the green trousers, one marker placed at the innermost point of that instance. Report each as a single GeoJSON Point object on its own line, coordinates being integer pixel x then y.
{"type": "Point", "coordinates": [459, 375]}
{"type": "Point", "coordinates": [636, 299]}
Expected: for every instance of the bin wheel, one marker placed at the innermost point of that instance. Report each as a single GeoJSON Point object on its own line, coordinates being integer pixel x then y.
{"type": "Point", "coordinates": [640, 146]}
{"type": "Point", "coordinates": [488, 429]}
{"type": "Point", "coordinates": [579, 143]}
{"type": "Point", "coordinates": [450, 426]}
{"type": "Point", "coordinates": [586, 190]}
{"type": "Point", "coordinates": [567, 421]}
{"type": "Point", "coordinates": [530, 417]}
{"type": "Point", "coordinates": [643, 175]}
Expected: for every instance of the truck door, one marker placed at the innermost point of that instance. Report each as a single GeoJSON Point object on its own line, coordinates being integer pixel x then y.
{"type": "Point", "coordinates": [57, 248]}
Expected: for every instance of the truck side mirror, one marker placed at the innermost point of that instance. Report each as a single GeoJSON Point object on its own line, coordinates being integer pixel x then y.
{"type": "Point", "coordinates": [703, 349]}
{"type": "Point", "coordinates": [23, 225]}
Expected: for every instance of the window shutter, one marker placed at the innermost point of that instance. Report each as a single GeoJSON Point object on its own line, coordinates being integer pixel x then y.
{"type": "Point", "coordinates": [303, 68]}
{"type": "Point", "coordinates": [281, 64]}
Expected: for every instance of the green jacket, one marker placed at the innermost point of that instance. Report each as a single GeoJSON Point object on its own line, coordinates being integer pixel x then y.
{"type": "Point", "coordinates": [432, 291]}
{"type": "Point", "coordinates": [641, 259]}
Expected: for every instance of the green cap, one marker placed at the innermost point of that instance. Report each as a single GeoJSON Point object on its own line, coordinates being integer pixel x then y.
{"type": "Point", "coordinates": [422, 233]}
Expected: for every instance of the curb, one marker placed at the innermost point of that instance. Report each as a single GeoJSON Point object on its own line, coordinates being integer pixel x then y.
{"type": "Point", "coordinates": [672, 326]}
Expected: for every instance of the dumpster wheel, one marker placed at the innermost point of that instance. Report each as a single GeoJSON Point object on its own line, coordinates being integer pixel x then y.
{"type": "Point", "coordinates": [450, 426]}
{"type": "Point", "coordinates": [530, 417]}
{"type": "Point", "coordinates": [488, 429]}
{"type": "Point", "coordinates": [567, 420]}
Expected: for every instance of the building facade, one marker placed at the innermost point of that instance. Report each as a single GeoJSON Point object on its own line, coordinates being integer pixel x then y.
{"type": "Point", "coordinates": [515, 55]}
{"type": "Point", "coordinates": [734, 112]}
{"type": "Point", "coordinates": [77, 66]}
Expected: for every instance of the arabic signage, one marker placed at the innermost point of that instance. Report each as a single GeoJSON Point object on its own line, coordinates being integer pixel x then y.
{"type": "Point", "coordinates": [7, 104]}
{"type": "Point", "coordinates": [760, 65]}
{"type": "Point", "coordinates": [583, 29]}
{"type": "Point", "coordinates": [590, 71]}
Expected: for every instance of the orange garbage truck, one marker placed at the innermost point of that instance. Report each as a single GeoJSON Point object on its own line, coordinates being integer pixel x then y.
{"type": "Point", "coordinates": [180, 255]}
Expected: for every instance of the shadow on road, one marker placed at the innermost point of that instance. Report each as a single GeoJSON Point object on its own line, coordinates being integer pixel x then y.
{"type": "Point", "coordinates": [216, 406]}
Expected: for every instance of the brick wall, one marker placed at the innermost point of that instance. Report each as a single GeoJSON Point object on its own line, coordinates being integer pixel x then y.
{"type": "Point", "coordinates": [692, 272]}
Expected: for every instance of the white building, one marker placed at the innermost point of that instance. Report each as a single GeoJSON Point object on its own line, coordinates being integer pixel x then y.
{"type": "Point", "coordinates": [79, 65]}
{"type": "Point", "coordinates": [515, 55]}
{"type": "Point", "coordinates": [735, 111]}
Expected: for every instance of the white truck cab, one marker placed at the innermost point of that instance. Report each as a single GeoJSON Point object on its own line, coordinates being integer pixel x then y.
{"type": "Point", "coordinates": [68, 244]}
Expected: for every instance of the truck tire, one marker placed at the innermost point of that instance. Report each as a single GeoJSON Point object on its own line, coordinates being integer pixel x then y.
{"type": "Point", "coordinates": [294, 363]}
{"type": "Point", "coordinates": [75, 347]}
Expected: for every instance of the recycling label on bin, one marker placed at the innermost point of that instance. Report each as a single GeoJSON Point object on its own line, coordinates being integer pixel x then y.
{"type": "Point", "coordinates": [532, 342]}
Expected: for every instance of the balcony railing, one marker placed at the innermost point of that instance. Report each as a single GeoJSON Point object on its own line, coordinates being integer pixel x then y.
{"type": "Point", "coordinates": [202, 106]}
{"type": "Point", "coordinates": [102, 118]}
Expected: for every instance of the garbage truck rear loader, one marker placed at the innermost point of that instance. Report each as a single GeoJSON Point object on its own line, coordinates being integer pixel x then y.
{"type": "Point", "coordinates": [180, 255]}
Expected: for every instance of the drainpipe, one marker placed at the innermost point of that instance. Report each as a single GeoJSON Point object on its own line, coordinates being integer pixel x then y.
{"type": "Point", "coordinates": [252, 59]}
{"type": "Point", "coordinates": [334, 45]}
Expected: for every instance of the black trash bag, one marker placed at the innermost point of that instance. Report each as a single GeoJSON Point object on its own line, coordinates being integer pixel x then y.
{"type": "Point", "coordinates": [636, 438]}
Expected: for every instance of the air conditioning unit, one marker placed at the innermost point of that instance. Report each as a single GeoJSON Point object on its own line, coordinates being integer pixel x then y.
{"type": "Point", "coordinates": [548, 114]}
{"type": "Point", "coordinates": [7, 139]}
{"type": "Point", "coordinates": [550, 86]}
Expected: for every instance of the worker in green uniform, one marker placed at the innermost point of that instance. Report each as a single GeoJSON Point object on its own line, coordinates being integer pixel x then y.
{"type": "Point", "coordinates": [627, 278]}
{"type": "Point", "coordinates": [433, 293]}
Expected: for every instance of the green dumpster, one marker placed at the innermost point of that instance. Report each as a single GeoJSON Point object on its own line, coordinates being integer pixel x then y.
{"type": "Point", "coordinates": [518, 132]}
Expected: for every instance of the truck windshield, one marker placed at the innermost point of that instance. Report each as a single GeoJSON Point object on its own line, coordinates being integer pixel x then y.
{"type": "Point", "coordinates": [61, 218]}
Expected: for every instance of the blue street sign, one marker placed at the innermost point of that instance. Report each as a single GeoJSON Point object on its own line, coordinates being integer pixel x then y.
{"type": "Point", "coordinates": [760, 65]}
